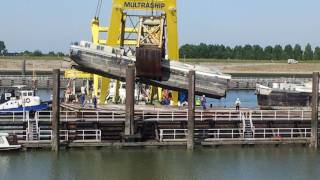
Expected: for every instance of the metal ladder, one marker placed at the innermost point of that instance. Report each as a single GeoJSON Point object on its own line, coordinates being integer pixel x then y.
{"type": "Point", "coordinates": [33, 130]}
{"type": "Point", "coordinates": [248, 128]}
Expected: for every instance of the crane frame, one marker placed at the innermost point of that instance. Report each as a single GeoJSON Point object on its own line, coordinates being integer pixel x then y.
{"type": "Point", "coordinates": [117, 28]}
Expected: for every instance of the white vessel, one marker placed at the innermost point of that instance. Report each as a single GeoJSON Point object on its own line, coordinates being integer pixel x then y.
{"type": "Point", "coordinates": [22, 100]}
{"type": "Point", "coordinates": [5, 145]}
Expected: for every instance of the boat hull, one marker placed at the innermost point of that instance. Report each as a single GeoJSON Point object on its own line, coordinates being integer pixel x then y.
{"type": "Point", "coordinates": [10, 148]}
{"type": "Point", "coordinates": [115, 68]}
{"type": "Point", "coordinates": [28, 108]}
{"type": "Point", "coordinates": [281, 98]}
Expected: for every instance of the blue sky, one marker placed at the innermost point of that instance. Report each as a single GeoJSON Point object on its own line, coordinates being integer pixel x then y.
{"type": "Point", "coordinates": [53, 24]}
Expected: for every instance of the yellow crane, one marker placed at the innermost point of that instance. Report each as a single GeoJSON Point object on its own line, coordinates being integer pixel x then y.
{"type": "Point", "coordinates": [119, 33]}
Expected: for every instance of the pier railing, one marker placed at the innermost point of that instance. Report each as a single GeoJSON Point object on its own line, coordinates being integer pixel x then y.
{"type": "Point", "coordinates": [181, 134]}
{"type": "Point", "coordinates": [180, 115]}
{"type": "Point", "coordinates": [162, 115]}
{"type": "Point", "coordinates": [14, 116]}
{"type": "Point", "coordinates": [282, 133]}
{"type": "Point", "coordinates": [85, 135]}
{"type": "Point", "coordinates": [69, 116]}
{"type": "Point", "coordinates": [235, 134]}
{"type": "Point", "coordinates": [73, 135]}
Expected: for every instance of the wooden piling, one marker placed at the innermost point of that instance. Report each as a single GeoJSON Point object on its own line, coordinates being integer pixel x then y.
{"type": "Point", "coordinates": [314, 116]}
{"type": "Point", "coordinates": [55, 141]}
{"type": "Point", "coordinates": [130, 87]}
{"type": "Point", "coordinates": [23, 68]}
{"type": "Point", "coordinates": [191, 110]}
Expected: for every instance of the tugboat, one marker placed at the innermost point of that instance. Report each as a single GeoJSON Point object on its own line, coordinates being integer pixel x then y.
{"type": "Point", "coordinates": [284, 94]}
{"type": "Point", "coordinates": [5, 145]}
{"type": "Point", "coordinates": [22, 100]}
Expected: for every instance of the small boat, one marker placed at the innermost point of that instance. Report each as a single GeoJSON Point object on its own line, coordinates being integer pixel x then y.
{"type": "Point", "coordinates": [284, 95]}
{"type": "Point", "coordinates": [21, 100]}
{"type": "Point", "coordinates": [112, 62]}
{"type": "Point", "coordinates": [5, 145]}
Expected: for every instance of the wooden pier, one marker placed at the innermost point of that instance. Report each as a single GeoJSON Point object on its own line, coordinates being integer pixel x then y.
{"type": "Point", "coordinates": [151, 126]}
{"type": "Point", "coordinates": [160, 127]}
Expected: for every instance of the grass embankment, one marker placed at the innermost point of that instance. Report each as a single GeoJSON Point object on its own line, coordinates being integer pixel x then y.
{"type": "Point", "coordinates": [259, 67]}
{"type": "Point", "coordinates": [230, 66]}
{"type": "Point", "coordinates": [242, 61]}
{"type": "Point", "coordinates": [43, 63]}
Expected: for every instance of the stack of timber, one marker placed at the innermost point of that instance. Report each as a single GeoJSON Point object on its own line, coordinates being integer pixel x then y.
{"type": "Point", "coordinates": [112, 62]}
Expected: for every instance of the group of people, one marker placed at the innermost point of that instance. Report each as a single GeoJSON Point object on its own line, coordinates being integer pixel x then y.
{"type": "Point", "coordinates": [166, 100]}
{"type": "Point", "coordinates": [83, 98]}
{"type": "Point", "coordinates": [203, 102]}
{"type": "Point", "coordinates": [166, 97]}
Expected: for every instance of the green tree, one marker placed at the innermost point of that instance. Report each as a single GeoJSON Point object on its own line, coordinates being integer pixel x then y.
{"type": "Point", "coordinates": [37, 53]}
{"type": "Point", "coordinates": [308, 53]}
{"type": "Point", "coordinates": [268, 53]}
{"type": "Point", "coordinates": [220, 52]}
{"type": "Point", "coordinates": [2, 47]}
{"type": "Point", "coordinates": [60, 54]}
{"type": "Point", "coordinates": [316, 55]}
{"type": "Point", "coordinates": [26, 53]}
{"type": "Point", "coordinates": [297, 52]}
{"type": "Point", "coordinates": [237, 52]}
{"type": "Point", "coordinates": [203, 51]}
{"type": "Point", "coordinates": [187, 51]}
{"type": "Point", "coordinates": [51, 53]}
{"type": "Point", "coordinates": [248, 52]}
{"type": "Point", "coordinates": [288, 52]}
{"type": "Point", "coordinates": [258, 52]}
{"type": "Point", "coordinates": [277, 52]}
{"type": "Point", "coordinates": [228, 53]}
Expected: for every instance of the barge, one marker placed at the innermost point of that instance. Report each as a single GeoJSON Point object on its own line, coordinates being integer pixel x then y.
{"type": "Point", "coordinates": [284, 95]}
{"type": "Point", "coordinates": [112, 62]}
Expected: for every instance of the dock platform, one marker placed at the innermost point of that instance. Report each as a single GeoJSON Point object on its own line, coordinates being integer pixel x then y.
{"type": "Point", "coordinates": [160, 127]}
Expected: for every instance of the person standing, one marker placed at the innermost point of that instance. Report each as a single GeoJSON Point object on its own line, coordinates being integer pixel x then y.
{"type": "Point", "coordinates": [94, 100]}
{"type": "Point", "coordinates": [238, 103]}
{"type": "Point", "coordinates": [82, 100]}
{"type": "Point", "coordinates": [203, 102]}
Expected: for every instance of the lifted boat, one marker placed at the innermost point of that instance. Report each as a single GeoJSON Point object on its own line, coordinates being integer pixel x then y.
{"type": "Point", "coordinates": [112, 62]}
{"type": "Point", "coordinates": [5, 145]}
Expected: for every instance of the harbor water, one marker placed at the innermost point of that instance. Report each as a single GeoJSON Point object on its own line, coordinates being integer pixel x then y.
{"type": "Point", "coordinates": [248, 98]}
{"type": "Point", "coordinates": [283, 163]}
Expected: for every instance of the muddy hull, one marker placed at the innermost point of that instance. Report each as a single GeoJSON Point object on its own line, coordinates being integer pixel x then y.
{"type": "Point", "coordinates": [115, 68]}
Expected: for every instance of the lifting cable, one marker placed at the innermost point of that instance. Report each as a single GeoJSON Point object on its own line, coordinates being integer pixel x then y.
{"type": "Point", "coordinates": [152, 8]}
{"type": "Point", "coordinates": [97, 14]}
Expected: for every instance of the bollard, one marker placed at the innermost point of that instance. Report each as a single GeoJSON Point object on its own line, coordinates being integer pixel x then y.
{"type": "Point", "coordinates": [191, 110]}
{"type": "Point", "coordinates": [315, 104]}
{"type": "Point", "coordinates": [55, 140]}
{"type": "Point", "coordinates": [130, 88]}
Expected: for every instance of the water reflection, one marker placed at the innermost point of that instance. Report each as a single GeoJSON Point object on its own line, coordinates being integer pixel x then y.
{"type": "Point", "coordinates": [145, 164]}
